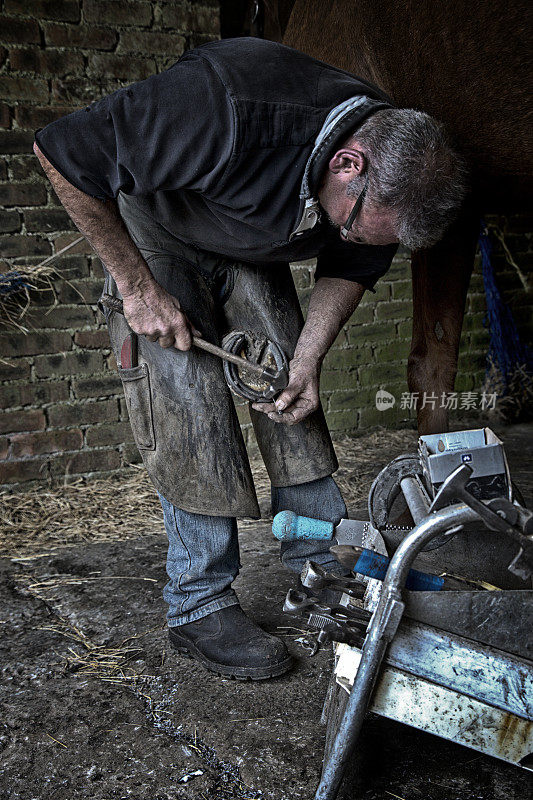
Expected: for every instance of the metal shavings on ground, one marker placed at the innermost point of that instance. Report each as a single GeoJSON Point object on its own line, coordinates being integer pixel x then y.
{"type": "Point", "coordinates": [41, 520]}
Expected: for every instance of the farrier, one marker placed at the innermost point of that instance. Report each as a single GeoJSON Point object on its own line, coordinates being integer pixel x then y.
{"type": "Point", "coordinates": [197, 187]}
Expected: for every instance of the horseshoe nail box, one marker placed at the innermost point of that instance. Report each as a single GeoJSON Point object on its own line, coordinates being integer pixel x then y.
{"type": "Point", "coordinates": [480, 448]}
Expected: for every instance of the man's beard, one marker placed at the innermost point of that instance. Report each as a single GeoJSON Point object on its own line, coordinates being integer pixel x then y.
{"type": "Point", "coordinates": [330, 223]}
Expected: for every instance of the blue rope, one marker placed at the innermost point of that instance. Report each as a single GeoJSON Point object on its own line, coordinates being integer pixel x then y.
{"type": "Point", "coordinates": [506, 350]}
{"type": "Point", "coordinates": [11, 282]}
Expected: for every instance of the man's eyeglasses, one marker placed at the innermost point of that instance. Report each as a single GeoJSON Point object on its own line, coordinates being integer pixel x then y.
{"type": "Point", "coordinates": [346, 228]}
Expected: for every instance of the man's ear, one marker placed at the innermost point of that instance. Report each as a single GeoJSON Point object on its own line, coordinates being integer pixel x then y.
{"type": "Point", "coordinates": [348, 160]}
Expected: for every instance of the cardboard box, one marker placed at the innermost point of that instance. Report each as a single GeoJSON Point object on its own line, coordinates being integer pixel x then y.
{"type": "Point", "coordinates": [480, 448]}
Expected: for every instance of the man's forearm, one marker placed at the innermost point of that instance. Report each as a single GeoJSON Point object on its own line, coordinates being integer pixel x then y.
{"type": "Point", "coordinates": [102, 225]}
{"type": "Point", "coordinates": [332, 303]}
{"type": "Point", "coordinates": [148, 308]}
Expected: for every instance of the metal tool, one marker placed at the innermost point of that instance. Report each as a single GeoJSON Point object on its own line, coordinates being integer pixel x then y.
{"type": "Point", "coordinates": [275, 379]}
{"type": "Point", "coordinates": [375, 565]}
{"type": "Point", "coordinates": [289, 527]}
{"type": "Point", "coordinates": [255, 349]}
{"type": "Point", "coordinates": [334, 622]}
{"type": "Point", "coordinates": [502, 516]}
{"type": "Point", "coordinates": [388, 613]}
{"type": "Point", "coordinates": [316, 579]}
{"type": "Point", "coordinates": [399, 493]}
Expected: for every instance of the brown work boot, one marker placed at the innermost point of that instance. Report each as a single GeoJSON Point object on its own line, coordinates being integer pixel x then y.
{"type": "Point", "coordinates": [230, 644]}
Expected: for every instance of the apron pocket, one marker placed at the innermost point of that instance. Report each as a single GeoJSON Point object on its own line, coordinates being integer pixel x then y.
{"type": "Point", "coordinates": [136, 383]}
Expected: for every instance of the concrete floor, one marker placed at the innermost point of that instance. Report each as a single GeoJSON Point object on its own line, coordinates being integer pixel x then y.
{"type": "Point", "coordinates": [66, 734]}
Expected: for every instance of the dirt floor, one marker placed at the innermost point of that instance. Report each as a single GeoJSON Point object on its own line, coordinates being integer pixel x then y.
{"type": "Point", "coordinates": [95, 705]}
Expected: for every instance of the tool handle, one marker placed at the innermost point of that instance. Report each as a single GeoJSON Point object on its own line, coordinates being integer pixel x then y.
{"type": "Point", "coordinates": [375, 565]}
{"type": "Point", "coordinates": [218, 351]}
{"type": "Point", "coordinates": [116, 304]}
{"type": "Point", "coordinates": [289, 527]}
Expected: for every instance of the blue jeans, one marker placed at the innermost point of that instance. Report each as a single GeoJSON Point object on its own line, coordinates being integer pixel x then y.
{"type": "Point", "coordinates": [203, 553]}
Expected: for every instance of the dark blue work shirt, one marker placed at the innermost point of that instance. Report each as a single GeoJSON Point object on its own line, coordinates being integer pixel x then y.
{"type": "Point", "coordinates": [218, 145]}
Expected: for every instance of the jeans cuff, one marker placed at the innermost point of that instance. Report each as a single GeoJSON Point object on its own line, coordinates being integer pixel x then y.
{"type": "Point", "coordinates": [225, 601]}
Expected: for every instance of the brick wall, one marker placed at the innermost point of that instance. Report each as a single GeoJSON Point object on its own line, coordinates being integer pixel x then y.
{"type": "Point", "coordinates": [62, 403]}
{"type": "Point", "coordinates": [63, 407]}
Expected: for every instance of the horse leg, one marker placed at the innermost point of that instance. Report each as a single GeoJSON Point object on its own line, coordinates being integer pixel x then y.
{"type": "Point", "coordinates": [440, 282]}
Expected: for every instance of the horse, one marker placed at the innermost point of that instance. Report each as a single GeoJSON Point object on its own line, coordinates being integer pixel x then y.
{"type": "Point", "coordinates": [467, 64]}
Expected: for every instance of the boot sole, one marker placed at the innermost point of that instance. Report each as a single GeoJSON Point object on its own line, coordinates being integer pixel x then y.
{"type": "Point", "coordinates": [225, 671]}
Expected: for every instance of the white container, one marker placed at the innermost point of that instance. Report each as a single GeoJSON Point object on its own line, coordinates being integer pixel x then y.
{"type": "Point", "coordinates": [480, 448]}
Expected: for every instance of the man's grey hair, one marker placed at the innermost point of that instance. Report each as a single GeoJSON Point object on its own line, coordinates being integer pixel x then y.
{"type": "Point", "coordinates": [412, 169]}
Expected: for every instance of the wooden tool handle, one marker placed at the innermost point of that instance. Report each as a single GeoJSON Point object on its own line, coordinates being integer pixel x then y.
{"type": "Point", "coordinates": [115, 304]}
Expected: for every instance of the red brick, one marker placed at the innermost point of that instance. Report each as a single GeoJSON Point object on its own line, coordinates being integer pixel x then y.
{"type": "Point", "coordinates": [17, 88]}
{"type": "Point", "coordinates": [36, 444]}
{"type": "Point", "coordinates": [5, 116]}
{"type": "Point", "coordinates": [75, 266]}
{"type": "Point", "coordinates": [197, 39]}
{"type": "Point", "coordinates": [22, 194]}
{"type": "Point", "coordinates": [15, 370]}
{"type": "Point", "coordinates": [92, 339]}
{"type": "Point", "coordinates": [202, 20]}
{"type": "Point", "coordinates": [79, 363]}
{"type": "Point", "coordinates": [111, 12]}
{"type": "Point", "coordinates": [39, 393]}
{"type": "Point", "coordinates": [175, 16]}
{"type": "Point", "coordinates": [82, 413]}
{"type": "Point", "coordinates": [111, 363]}
{"type": "Point", "coordinates": [16, 141]}
{"type": "Point", "coordinates": [19, 30]}
{"type": "Point", "coordinates": [39, 116]}
{"type": "Point", "coordinates": [28, 394]}
{"type": "Point", "coordinates": [102, 435]}
{"type": "Point", "coordinates": [97, 386]}
{"type": "Point", "coordinates": [47, 220]}
{"type": "Point", "coordinates": [51, 62]}
{"type": "Point", "coordinates": [88, 37]}
{"type": "Point", "coordinates": [60, 317]}
{"type": "Point", "coordinates": [85, 461]}
{"type": "Point", "coordinates": [15, 421]}
{"type": "Point", "coordinates": [84, 291]}
{"type": "Point", "coordinates": [21, 471]}
{"type": "Point", "coordinates": [130, 454]}
{"type": "Point", "coordinates": [26, 168]}
{"type": "Point", "coordinates": [66, 238]}
{"type": "Point", "coordinates": [151, 43]}
{"type": "Point", "coordinates": [10, 221]}
{"type": "Point", "coordinates": [109, 65]}
{"type": "Point", "coordinates": [79, 91]}
{"type": "Point", "coordinates": [24, 58]}
{"type": "Point", "coordinates": [10, 395]}
{"type": "Point", "coordinates": [66, 10]}
{"type": "Point", "coordinates": [28, 344]}
{"type": "Point", "coordinates": [4, 447]}
{"type": "Point", "coordinates": [12, 246]}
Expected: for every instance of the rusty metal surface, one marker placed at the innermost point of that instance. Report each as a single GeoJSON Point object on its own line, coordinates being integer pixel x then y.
{"type": "Point", "coordinates": [443, 711]}
{"type": "Point", "coordinates": [481, 616]}
{"type": "Point", "coordinates": [473, 669]}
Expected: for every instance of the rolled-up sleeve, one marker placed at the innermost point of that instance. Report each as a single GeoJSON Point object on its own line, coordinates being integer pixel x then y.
{"type": "Point", "coordinates": [174, 130]}
{"type": "Point", "coordinates": [362, 263]}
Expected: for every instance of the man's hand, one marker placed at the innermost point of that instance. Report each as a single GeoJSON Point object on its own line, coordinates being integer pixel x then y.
{"type": "Point", "coordinates": [300, 398]}
{"type": "Point", "coordinates": [157, 315]}
{"type": "Point", "coordinates": [332, 302]}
